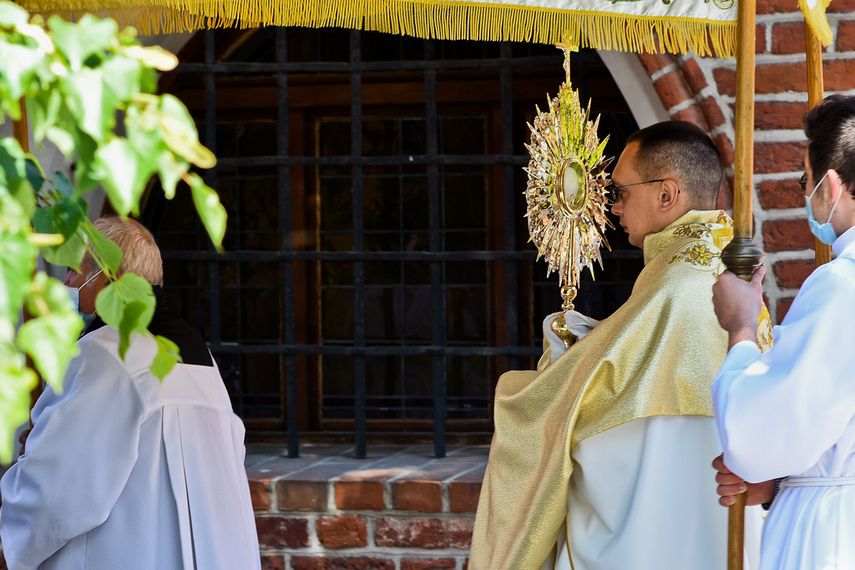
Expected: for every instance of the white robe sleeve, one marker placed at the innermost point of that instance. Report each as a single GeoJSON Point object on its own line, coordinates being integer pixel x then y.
{"type": "Point", "coordinates": [780, 411]}
{"type": "Point", "coordinates": [78, 457]}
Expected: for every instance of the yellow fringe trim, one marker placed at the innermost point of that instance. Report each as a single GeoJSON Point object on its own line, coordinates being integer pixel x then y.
{"type": "Point", "coordinates": [419, 18]}
{"type": "Point", "coordinates": [817, 20]}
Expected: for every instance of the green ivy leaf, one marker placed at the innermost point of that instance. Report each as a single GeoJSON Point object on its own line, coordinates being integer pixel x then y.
{"type": "Point", "coordinates": [122, 77]}
{"type": "Point", "coordinates": [84, 95]}
{"type": "Point", "coordinates": [211, 211]}
{"type": "Point", "coordinates": [50, 342]}
{"type": "Point", "coordinates": [118, 167]}
{"type": "Point", "coordinates": [78, 41]}
{"type": "Point", "coordinates": [166, 358]}
{"type": "Point", "coordinates": [170, 171]}
{"type": "Point", "coordinates": [126, 304]}
{"type": "Point", "coordinates": [12, 15]}
{"type": "Point", "coordinates": [17, 263]}
{"type": "Point", "coordinates": [20, 64]}
{"type": "Point", "coordinates": [43, 110]}
{"type": "Point", "coordinates": [63, 184]}
{"type": "Point", "coordinates": [13, 174]}
{"type": "Point", "coordinates": [68, 254]}
{"type": "Point", "coordinates": [64, 217]}
{"type": "Point", "coordinates": [179, 133]}
{"type": "Point", "coordinates": [15, 386]}
{"type": "Point", "coordinates": [105, 249]}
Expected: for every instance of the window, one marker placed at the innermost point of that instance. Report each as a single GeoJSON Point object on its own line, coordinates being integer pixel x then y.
{"type": "Point", "coordinates": [376, 277]}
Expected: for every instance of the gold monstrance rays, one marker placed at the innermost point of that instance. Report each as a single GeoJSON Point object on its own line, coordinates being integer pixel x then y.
{"type": "Point", "coordinates": [566, 192]}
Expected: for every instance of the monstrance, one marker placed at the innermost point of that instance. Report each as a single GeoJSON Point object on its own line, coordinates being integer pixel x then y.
{"type": "Point", "coordinates": [566, 192]}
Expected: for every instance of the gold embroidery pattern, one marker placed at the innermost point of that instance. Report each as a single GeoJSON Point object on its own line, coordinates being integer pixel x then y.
{"type": "Point", "coordinates": [697, 254]}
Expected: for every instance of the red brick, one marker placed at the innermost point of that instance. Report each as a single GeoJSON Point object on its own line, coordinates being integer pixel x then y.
{"type": "Point", "coordinates": [423, 533]}
{"type": "Point", "coordinates": [724, 201]}
{"type": "Point", "coordinates": [838, 75]}
{"type": "Point", "coordinates": [272, 562]}
{"type": "Point", "coordinates": [359, 495]}
{"type": "Point", "coordinates": [787, 235]}
{"type": "Point", "coordinates": [777, 194]}
{"type": "Point", "coordinates": [464, 490]}
{"type": "Point", "coordinates": [778, 157]}
{"type": "Point", "coordinates": [341, 563]}
{"type": "Point", "coordinates": [788, 37]}
{"type": "Point", "coordinates": [776, 7]}
{"type": "Point", "coordinates": [724, 146]}
{"type": "Point", "coordinates": [774, 115]}
{"type": "Point", "coordinates": [671, 89]}
{"type": "Point", "coordinates": [3, 562]}
{"type": "Point", "coordinates": [846, 36]}
{"type": "Point", "coordinates": [464, 496]}
{"type": "Point", "coordinates": [363, 489]}
{"type": "Point", "coordinates": [653, 62]}
{"type": "Point", "coordinates": [260, 494]}
{"type": "Point", "coordinates": [791, 273]}
{"type": "Point", "coordinates": [780, 77]}
{"type": "Point", "coordinates": [423, 496]}
{"type": "Point", "coordinates": [275, 533]}
{"type": "Point", "coordinates": [302, 495]}
{"type": "Point", "coordinates": [692, 115]}
{"type": "Point", "coordinates": [712, 112]}
{"type": "Point", "coordinates": [693, 75]}
{"type": "Point", "coordinates": [782, 307]}
{"type": "Point", "coordinates": [428, 563]}
{"type": "Point", "coordinates": [841, 7]}
{"type": "Point", "coordinates": [343, 532]}
{"type": "Point", "coordinates": [725, 79]}
{"type": "Point", "coordinates": [760, 38]}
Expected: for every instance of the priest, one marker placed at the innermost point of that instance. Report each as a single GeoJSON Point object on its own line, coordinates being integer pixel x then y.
{"type": "Point", "coordinates": [600, 458]}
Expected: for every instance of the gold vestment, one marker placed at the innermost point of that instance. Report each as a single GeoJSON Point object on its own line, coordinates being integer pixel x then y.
{"type": "Point", "coordinates": [657, 355]}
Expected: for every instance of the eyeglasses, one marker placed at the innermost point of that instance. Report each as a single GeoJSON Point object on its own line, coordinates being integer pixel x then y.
{"type": "Point", "coordinates": [615, 190]}
{"type": "Point", "coordinates": [803, 181]}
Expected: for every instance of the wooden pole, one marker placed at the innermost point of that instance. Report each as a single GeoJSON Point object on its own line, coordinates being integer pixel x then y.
{"type": "Point", "coordinates": [742, 256]}
{"type": "Point", "coordinates": [816, 93]}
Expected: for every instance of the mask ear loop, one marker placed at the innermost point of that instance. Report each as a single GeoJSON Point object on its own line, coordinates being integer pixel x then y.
{"type": "Point", "coordinates": [90, 279]}
{"type": "Point", "coordinates": [839, 182]}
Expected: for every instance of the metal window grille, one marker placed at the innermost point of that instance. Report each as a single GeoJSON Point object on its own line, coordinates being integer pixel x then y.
{"type": "Point", "coordinates": [222, 292]}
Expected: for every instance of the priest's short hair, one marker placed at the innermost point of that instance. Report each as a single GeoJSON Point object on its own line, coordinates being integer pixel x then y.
{"type": "Point", "coordinates": [684, 152]}
{"type": "Point", "coordinates": [140, 254]}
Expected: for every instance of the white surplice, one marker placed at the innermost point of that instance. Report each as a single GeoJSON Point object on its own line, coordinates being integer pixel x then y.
{"type": "Point", "coordinates": [124, 472]}
{"type": "Point", "coordinates": [790, 412]}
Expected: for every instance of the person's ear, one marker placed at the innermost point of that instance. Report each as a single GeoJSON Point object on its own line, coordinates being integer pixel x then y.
{"type": "Point", "coordinates": [669, 193]}
{"type": "Point", "coordinates": [835, 184]}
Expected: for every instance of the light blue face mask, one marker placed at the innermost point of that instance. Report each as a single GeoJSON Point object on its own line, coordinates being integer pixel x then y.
{"type": "Point", "coordinates": [823, 232]}
{"type": "Point", "coordinates": [74, 294]}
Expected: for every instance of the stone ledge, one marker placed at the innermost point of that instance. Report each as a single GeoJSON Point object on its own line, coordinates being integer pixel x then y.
{"type": "Point", "coordinates": [329, 479]}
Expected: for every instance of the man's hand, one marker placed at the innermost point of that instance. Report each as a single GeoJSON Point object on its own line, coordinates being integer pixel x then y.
{"type": "Point", "coordinates": [730, 485]}
{"type": "Point", "coordinates": [738, 304]}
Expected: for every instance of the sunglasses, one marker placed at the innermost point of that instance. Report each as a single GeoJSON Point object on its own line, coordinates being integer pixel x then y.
{"type": "Point", "coordinates": [803, 181]}
{"type": "Point", "coordinates": [616, 191]}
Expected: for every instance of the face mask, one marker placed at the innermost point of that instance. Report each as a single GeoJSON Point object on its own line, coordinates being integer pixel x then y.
{"type": "Point", "coordinates": [74, 294]}
{"type": "Point", "coordinates": [823, 232]}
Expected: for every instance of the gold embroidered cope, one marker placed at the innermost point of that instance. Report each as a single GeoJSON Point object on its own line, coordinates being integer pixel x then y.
{"type": "Point", "coordinates": [655, 356]}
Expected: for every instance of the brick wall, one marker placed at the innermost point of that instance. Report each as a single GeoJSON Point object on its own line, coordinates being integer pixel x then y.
{"type": "Point", "coordinates": [702, 90]}
{"type": "Point", "coordinates": [399, 509]}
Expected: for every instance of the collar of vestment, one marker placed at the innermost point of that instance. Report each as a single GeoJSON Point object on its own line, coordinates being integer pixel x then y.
{"type": "Point", "coordinates": [713, 226]}
{"type": "Point", "coordinates": [844, 242]}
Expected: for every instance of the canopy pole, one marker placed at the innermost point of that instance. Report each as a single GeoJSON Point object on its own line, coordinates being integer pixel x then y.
{"type": "Point", "coordinates": [815, 89]}
{"type": "Point", "coordinates": [742, 256]}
